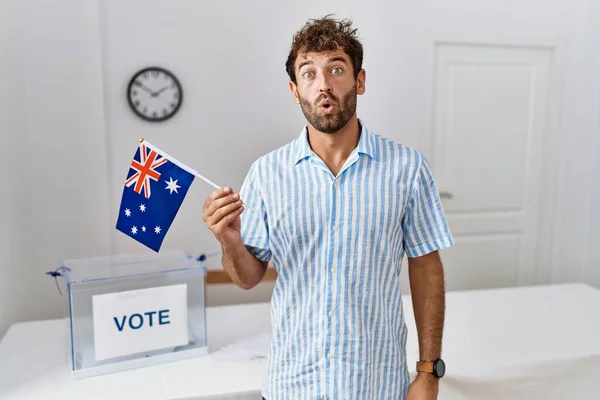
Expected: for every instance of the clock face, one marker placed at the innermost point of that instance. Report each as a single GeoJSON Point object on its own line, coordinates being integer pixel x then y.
{"type": "Point", "coordinates": [154, 94]}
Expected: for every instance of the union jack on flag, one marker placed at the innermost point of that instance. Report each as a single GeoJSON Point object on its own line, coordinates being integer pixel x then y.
{"type": "Point", "coordinates": [147, 218]}
{"type": "Point", "coordinates": [145, 169]}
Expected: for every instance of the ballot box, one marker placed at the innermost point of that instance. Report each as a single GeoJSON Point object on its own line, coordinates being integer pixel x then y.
{"type": "Point", "coordinates": [133, 310]}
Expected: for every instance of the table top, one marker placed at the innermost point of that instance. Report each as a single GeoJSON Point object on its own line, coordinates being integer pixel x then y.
{"type": "Point", "coordinates": [488, 333]}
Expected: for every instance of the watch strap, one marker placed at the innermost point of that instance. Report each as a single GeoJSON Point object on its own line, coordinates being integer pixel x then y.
{"type": "Point", "coordinates": [425, 366]}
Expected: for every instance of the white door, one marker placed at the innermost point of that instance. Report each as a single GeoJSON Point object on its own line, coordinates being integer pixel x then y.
{"type": "Point", "coordinates": [488, 127]}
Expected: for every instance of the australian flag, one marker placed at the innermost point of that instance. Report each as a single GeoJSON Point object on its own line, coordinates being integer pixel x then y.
{"type": "Point", "coordinates": [154, 190]}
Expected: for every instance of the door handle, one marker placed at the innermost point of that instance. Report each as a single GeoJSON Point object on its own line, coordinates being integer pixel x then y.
{"type": "Point", "coordinates": [446, 195]}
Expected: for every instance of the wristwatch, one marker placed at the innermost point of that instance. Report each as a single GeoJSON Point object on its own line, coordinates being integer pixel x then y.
{"type": "Point", "coordinates": [436, 367]}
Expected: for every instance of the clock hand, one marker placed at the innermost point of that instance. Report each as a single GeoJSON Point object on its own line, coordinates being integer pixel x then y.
{"type": "Point", "coordinates": [160, 91]}
{"type": "Point", "coordinates": [146, 89]}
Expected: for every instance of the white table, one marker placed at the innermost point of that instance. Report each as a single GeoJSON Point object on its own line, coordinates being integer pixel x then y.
{"type": "Point", "coordinates": [497, 343]}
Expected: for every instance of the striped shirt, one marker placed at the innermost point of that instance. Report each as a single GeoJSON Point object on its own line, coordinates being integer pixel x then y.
{"type": "Point", "coordinates": [337, 243]}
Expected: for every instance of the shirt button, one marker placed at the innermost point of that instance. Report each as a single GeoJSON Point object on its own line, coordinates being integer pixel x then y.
{"type": "Point", "coordinates": [330, 314]}
{"type": "Point", "coordinates": [330, 355]}
{"type": "Point", "coordinates": [335, 228]}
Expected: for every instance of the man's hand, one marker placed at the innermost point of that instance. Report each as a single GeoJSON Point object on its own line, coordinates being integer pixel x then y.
{"type": "Point", "coordinates": [221, 213]}
{"type": "Point", "coordinates": [424, 387]}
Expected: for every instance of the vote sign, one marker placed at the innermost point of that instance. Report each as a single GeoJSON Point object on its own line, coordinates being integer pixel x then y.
{"type": "Point", "coordinates": [138, 321]}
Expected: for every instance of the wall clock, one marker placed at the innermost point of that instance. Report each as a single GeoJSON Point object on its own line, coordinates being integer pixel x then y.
{"type": "Point", "coordinates": [154, 94]}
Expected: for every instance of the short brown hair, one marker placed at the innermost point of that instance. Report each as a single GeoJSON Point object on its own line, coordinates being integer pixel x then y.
{"type": "Point", "coordinates": [326, 34]}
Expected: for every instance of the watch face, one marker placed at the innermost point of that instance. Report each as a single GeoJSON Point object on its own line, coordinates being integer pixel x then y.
{"type": "Point", "coordinates": [440, 368]}
{"type": "Point", "coordinates": [154, 94]}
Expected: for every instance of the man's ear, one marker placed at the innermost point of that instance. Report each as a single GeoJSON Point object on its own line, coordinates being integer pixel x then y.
{"type": "Point", "coordinates": [294, 90]}
{"type": "Point", "coordinates": [361, 82]}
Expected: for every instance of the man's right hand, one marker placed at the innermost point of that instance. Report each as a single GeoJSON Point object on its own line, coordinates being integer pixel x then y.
{"type": "Point", "coordinates": [221, 213]}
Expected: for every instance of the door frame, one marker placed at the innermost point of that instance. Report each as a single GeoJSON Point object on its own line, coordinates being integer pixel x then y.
{"type": "Point", "coordinates": [550, 186]}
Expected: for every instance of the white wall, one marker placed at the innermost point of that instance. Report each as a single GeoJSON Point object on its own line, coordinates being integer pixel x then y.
{"type": "Point", "coordinates": [57, 186]}
{"type": "Point", "coordinates": [579, 130]}
{"type": "Point", "coordinates": [77, 134]}
{"type": "Point", "coordinates": [592, 273]}
{"type": "Point", "coordinates": [10, 95]}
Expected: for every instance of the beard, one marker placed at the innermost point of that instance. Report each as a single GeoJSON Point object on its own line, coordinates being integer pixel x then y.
{"type": "Point", "coordinates": [330, 123]}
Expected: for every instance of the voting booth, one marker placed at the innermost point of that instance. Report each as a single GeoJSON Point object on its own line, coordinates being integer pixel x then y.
{"type": "Point", "coordinates": [133, 310]}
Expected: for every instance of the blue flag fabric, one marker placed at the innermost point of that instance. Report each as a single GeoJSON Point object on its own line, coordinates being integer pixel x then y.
{"type": "Point", "coordinates": [154, 190]}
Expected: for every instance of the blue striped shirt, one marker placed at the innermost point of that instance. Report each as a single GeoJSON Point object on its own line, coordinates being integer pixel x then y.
{"type": "Point", "coordinates": [337, 243]}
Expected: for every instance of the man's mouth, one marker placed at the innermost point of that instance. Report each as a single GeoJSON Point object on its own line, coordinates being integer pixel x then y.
{"type": "Point", "coordinates": [326, 106]}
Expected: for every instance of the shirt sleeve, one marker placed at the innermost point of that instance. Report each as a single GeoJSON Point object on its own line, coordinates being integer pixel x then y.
{"type": "Point", "coordinates": [425, 226]}
{"type": "Point", "coordinates": [254, 229]}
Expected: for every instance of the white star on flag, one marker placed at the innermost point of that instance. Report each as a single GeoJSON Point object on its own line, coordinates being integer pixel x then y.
{"type": "Point", "coordinates": [134, 230]}
{"type": "Point", "coordinates": [143, 229]}
{"type": "Point", "coordinates": [157, 229]}
{"type": "Point", "coordinates": [128, 212]}
{"type": "Point", "coordinates": [142, 207]}
{"type": "Point", "coordinates": [172, 185]}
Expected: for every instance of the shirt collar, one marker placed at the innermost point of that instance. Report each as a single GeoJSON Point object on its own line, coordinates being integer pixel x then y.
{"type": "Point", "coordinates": [366, 144]}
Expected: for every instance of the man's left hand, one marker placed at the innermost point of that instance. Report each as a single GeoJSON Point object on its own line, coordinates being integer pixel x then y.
{"type": "Point", "coordinates": [424, 387]}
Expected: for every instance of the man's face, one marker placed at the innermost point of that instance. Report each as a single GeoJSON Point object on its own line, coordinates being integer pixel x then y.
{"type": "Point", "coordinates": [326, 89]}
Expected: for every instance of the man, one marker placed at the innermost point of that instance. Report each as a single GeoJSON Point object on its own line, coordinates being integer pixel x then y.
{"type": "Point", "coordinates": [334, 212]}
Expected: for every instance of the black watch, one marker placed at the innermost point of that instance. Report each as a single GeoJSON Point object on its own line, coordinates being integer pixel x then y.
{"type": "Point", "coordinates": [436, 367]}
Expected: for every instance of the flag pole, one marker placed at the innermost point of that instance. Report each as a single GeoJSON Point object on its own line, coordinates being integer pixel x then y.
{"type": "Point", "coordinates": [208, 181]}
{"type": "Point", "coordinates": [211, 183]}
{"type": "Point", "coordinates": [218, 187]}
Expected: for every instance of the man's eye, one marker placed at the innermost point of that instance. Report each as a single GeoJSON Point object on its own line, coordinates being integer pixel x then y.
{"type": "Point", "coordinates": [336, 71]}
{"type": "Point", "coordinates": [308, 75]}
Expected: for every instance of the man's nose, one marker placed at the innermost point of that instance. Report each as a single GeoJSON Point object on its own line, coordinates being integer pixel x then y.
{"type": "Point", "coordinates": [324, 85]}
